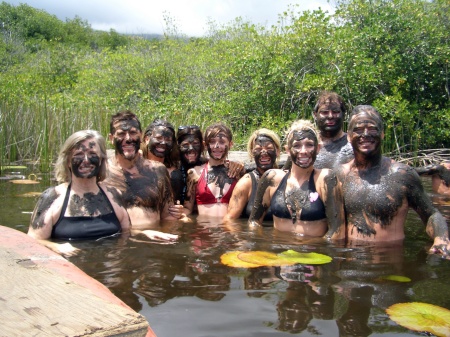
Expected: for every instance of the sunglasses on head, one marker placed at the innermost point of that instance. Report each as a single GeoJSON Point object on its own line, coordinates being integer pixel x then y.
{"type": "Point", "coordinates": [188, 128]}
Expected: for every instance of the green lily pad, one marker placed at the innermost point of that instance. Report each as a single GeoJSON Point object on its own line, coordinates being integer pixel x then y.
{"type": "Point", "coordinates": [396, 278]}
{"type": "Point", "coordinates": [265, 259]}
{"type": "Point", "coordinates": [305, 258]}
{"type": "Point", "coordinates": [419, 316]}
{"type": "Point", "coordinates": [231, 259]}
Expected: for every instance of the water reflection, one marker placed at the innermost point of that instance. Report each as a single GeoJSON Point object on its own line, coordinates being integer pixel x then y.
{"type": "Point", "coordinates": [184, 290]}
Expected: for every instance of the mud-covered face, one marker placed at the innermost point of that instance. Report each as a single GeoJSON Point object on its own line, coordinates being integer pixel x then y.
{"type": "Point", "coordinates": [329, 118]}
{"type": "Point", "coordinates": [218, 146]}
{"type": "Point", "coordinates": [127, 138]}
{"type": "Point", "coordinates": [365, 133]}
{"type": "Point", "coordinates": [160, 142]}
{"type": "Point", "coordinates": [85, 160]}
{"type": "Point", "coordinates": [265, 153]}
{"type": "Point", "coordinates": [190, 150]}
{"type": "Point", "coordinates": [303, 147]}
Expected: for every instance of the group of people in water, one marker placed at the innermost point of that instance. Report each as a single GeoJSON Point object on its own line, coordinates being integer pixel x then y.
{"type": "Point", "coordinates": [334, 185]}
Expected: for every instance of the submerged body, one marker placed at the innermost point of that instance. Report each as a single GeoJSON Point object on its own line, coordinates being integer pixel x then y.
{"type": "Point", "coordinates": [379, 191]}
{"type": "Point", "coordinates": [305, 200]}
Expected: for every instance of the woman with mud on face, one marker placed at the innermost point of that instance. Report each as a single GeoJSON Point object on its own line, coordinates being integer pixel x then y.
{"type": "Point", "coordinates": [209, 185]}
{"type": "Point", "coordinates": [304, 200]}
{"type": "Point", "coordinates": [80, 207]}
{"type": "Point", "coordinates": [264, 147]}
{"type": "Point", "coordinates": [158, 145]}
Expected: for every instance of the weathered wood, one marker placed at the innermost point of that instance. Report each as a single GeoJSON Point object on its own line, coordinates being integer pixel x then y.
{"type": "Point", "coordinates": [42, 294]}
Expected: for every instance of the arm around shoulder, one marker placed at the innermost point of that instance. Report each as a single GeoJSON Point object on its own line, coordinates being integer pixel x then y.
{"type": "Point", "coordinates": [334, 205]}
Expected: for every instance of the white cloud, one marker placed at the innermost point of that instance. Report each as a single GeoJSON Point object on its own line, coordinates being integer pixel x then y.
{"type": "Point", "coordinates": [190, 16]}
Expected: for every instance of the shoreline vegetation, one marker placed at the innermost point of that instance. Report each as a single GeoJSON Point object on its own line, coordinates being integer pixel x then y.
{"type": "Point", "coordinates": [58, 77]}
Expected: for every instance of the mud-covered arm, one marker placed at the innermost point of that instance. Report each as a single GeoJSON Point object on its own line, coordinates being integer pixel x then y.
{"type": "Point", "coordinates": [239, 198]}
{"type": "Point", "coordinates": [42, 221]}
{"type": "Point", "coordinates": [169, 210]}
{"type": "Point", "coordinates": [436, 226]}
{"type": "Point", "coordinates": [43, 217]}
{"type": "Point", "coordinates": [191, 185]}
{"type": "Point", "coordinates": [177, 184]}
{"type": "Point", "coordinates": [334, 207]}
{"type": "Point", "coordinates": [441, 170]}
{"type": "Point", "coordinates": [236, 169]}
{"type": "Point", "coordinates": [262, 199]}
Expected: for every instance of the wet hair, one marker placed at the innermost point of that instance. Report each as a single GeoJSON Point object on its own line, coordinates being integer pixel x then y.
{"type": "Point", "coordinates": [302, 125]}
{"type": "Point", "coordinates": [368, 109]}
{"type": "Point", "coordinates": [62, 171]}
{"type": "Point", "coordinates": [171, 160]}
{"type": "Point", "coordinates": [330, 97]}
{"type": "Point", "coordinates": [125, 115]}
{"type": "Point", "coordinates": [263, 132]}
{"type": "Point", "coordinates": [186, 130]}
{"type": "Point", "coordinates": [214, 129]}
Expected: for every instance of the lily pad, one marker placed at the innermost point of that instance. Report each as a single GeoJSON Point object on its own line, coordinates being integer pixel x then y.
{"type": "Point", "coordinates": [305, 258]}
{"type": "Point", "coordinates": [265, 259]}
{"type": "Point", "coordinates": [396, 278]}
{"type": "Point", "coordinates": [231, 259]}
{"type": "Point", "coordinates": [419, 316]}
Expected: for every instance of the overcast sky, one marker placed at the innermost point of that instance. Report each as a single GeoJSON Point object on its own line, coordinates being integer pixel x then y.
{"type": "Point", "coordinates": [191, 16]}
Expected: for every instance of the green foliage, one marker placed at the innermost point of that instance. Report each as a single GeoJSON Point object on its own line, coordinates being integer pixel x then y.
{"type": "Point", "coordinates": [58, 77]}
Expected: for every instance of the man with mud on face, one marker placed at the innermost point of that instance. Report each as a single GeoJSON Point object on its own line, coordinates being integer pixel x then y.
{"type": "Point", "coordinates": [378, 191]}
{"type": "Point", "coordinates": [329, 114]}
{"type": "Point", "coordinates": [142, 186]}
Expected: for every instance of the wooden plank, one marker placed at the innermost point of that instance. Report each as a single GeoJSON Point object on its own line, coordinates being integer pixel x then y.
{"type": "Point", "coordinates": [41, 295]}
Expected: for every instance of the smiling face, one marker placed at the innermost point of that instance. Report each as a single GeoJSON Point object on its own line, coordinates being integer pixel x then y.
{"type": "Point", "coordinates": [365, 133]}
{"type": "Point", "coordinates": [160, 142]}
{"type": "Point", "coordinates": [303, 147]}
{"type": "Point", "coordinates": [329, 117]}
{"type": "Point", "coordinates": [126, 138]}
{"type": "Point", "coordinates": [265, 153]}
{"type": "Point", "coordinates": [218, 146]}
{"type": "Point", "coordinates": [190, 150]}
{"type": "Point", "coordinates": [85, 160]}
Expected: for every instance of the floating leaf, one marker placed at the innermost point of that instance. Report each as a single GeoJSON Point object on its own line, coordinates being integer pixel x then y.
{"type": "Point", "coordinates": [231, 259]}
{"type": "Point", "coordinates": [265, 259]}
{"type": "Point", "coordinates": [305, 258]}
{"type": "Point", "coordinates": [397, 278]}
{"type": "Point", "coordinates": [421, 317]}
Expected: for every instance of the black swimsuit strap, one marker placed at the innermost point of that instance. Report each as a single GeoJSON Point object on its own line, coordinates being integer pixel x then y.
{"type": "Point", "coordinates": [311, 184]}
{"type": "Point", "coordinates": [64, 206]}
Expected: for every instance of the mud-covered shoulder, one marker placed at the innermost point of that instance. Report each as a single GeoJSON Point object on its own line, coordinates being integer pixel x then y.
{"type": "Point", "coordinates": [329, 178]}
{"type": "Point", "coordinates": [43, 205]}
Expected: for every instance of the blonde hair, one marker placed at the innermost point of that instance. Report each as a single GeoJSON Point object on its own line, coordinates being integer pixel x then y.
{"type": "Point", "coordinates": [302, 125]}
{"type": "Point", "coordinates": [263, 132]}
{"type": "Point", "coordinates": [62, 171]}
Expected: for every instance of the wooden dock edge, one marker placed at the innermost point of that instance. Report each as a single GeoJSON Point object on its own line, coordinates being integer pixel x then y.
{"type": "Point", "coordinates": [43, 294]}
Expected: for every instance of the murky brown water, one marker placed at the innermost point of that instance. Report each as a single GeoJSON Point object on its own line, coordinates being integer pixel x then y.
{"type": "Point", "coordinates": [184, 290]}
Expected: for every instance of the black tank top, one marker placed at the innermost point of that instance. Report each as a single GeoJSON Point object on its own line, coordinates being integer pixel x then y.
{"type": "Point", "coordinates": [85, 227]}
{"type": "Point", "coordinates": [248, 209]}
{"type": "Point", "coordinates": [314, 210]}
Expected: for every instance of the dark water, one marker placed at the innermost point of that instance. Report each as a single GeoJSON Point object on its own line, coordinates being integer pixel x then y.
{"type": "Point", "coordinates": [184, 290]}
